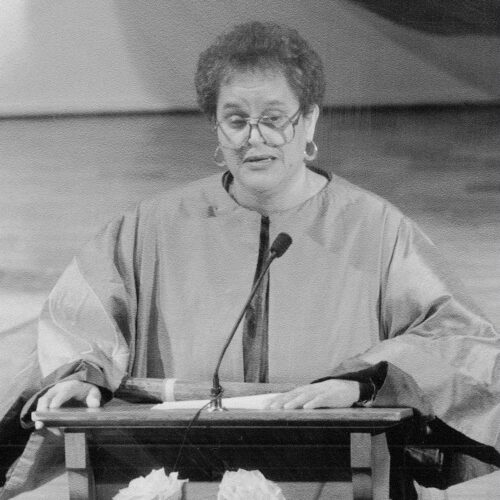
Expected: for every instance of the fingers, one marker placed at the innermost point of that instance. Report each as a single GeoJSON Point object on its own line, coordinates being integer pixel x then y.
{"type": "Point", "coordinates": [65, 391]}
{"type": "Point", "coordinates": [47, 400]}
{"type": "Point", "coordinates": [327, 394]}
{"type": "Point", "coordinates": [323, 401]}
{"type": "Point", "coordinates": [298, 401]}
{"type": "Point", "coordinates": [59, 394]}
{"type": "Point", "coordinates": [292, 399]}
{"type": "Point", "coordinates": [93, 399]}
{"type": "Point", "coordinates": [42, 405]}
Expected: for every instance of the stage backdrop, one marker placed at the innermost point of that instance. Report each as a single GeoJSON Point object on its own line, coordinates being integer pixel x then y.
{"type": "Point", "coordinates": [69, 56]}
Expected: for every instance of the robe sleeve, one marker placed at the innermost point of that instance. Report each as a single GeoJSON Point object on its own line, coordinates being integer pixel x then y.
{"type": "Point", "coordinates": [443, 356]}
{"type": "Point", "coordinates": [87, 323]}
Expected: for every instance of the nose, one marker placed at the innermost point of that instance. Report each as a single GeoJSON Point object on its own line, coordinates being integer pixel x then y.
{"type": "Point", "coordinates": [254, 135]}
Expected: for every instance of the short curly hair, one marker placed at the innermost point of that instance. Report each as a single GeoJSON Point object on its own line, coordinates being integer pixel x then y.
{"type": "Point", "coordinates": [260, 46]}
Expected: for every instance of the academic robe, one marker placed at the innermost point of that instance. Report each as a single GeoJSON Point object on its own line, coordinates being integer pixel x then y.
{"type": "Point", "coordinates": [156, 293]}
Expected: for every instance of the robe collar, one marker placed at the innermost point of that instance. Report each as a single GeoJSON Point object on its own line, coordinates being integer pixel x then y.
{"type": "Point", "coordinates": [224, 203]}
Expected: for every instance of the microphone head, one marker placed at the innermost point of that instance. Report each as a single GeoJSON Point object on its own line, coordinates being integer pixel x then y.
{"type": "Point", "coordinates": [280, 244]}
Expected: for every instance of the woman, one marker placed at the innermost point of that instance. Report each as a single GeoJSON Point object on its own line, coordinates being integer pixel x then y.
{"type": "Point", "coordinates": [360, 296]}
{"type": "Point", "coordinates": [265, 112]}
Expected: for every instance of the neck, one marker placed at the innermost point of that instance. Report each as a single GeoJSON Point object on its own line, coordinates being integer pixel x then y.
{"type": "Point", "coordinates": [301, 188]}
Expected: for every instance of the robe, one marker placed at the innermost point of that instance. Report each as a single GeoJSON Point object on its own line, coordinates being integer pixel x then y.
{"type": "Point", "coordinates": [157, 291]}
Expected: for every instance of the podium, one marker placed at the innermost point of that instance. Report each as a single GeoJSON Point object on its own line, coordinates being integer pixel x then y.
{"type": "Point", "coordinates": [107, 447]}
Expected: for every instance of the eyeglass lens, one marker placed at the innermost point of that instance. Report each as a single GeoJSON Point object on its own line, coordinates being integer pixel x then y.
{"type": "Point", "coordinates": [235, 135]}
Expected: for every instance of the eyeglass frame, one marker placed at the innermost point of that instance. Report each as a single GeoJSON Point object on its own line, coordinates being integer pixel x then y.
{"type": "Point", "coordinates": [254, 122]}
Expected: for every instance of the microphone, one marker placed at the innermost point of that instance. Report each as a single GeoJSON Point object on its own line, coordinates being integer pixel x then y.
{"type": "Point", "coordinates": [278, 248]}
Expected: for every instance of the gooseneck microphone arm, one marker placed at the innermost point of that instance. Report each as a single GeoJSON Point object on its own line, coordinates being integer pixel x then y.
{"type": "Point", "coordinates": [278, 248]}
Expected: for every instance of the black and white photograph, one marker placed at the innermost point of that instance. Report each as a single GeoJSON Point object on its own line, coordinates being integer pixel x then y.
{"type": "Point", "coordinates": [249, 250]}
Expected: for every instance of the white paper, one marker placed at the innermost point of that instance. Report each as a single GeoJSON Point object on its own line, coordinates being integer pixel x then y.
{"type": "Point", "coordinates": [257, 402]}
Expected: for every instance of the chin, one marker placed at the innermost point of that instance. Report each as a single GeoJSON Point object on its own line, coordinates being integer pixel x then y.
{"type": "Point", "coordinates": [259, 180]}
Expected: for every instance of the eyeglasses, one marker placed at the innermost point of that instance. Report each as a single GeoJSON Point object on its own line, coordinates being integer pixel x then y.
{"type": "Point", "coordinates": [275, 130]}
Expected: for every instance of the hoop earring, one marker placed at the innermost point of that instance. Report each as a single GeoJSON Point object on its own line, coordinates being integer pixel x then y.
{"type": "Point", "coordinates": [219, 162]}
{"type": "Point", "coordinates": [311, 156]}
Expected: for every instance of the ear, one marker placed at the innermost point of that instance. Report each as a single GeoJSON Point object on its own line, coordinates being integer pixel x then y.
{"type": "Point", "coordinates": [310, 120]}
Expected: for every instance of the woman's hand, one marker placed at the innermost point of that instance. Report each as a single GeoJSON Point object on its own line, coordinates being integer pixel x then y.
{"type": "Point", "coordinates": [62, 392]}
{"type": "Point", "coordinates": [328, 394]}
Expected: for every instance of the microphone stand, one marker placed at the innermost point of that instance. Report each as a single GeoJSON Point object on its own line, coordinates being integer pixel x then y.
{"type": "Point", "coordinates": [217, 390]}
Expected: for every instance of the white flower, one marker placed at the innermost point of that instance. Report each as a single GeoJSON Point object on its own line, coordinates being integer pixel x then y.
{"type": "Point", "coordinates": [155, 486]}
{"type": "Point", "coordinates": [248, 485]}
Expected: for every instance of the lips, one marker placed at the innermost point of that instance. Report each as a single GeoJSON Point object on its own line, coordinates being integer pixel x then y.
{"type": "Point", "coordinates": [259, 158]}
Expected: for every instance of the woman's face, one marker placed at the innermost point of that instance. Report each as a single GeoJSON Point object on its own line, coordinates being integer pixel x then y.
{"type": "Point", "coordinates": [261, 169]}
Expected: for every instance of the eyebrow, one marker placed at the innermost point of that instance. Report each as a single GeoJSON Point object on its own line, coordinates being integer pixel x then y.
{"type": "Point", "coordinates": [268, 104]}
{"type": "Point", "coordinates": [231, 105]}
{"type": "Point", "coordinates": [276, 102]}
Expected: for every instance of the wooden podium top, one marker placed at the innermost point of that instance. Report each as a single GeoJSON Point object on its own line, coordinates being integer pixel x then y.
{"type": "Point", "coordinates": [141, 415]}
{"type": "Point", "coordinates": [106, 447]}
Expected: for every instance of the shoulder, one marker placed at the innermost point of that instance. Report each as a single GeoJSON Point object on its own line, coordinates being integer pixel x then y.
{"type": "Point", "coordinates": [360, 211]}
{"type": "Point", "coordinates": [195, 199]}
{"type": "Point", "coordinates": [192, 198]}
{"type": "Point", "coordinates": [354, 201]}
{"type": "Point", "coordinates": [376, 215]}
